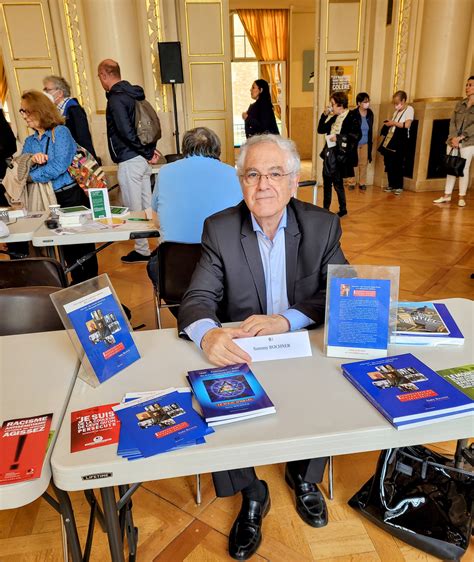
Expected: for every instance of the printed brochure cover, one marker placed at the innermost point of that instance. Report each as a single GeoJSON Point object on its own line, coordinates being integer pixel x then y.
{"type": "Point", "coordinates": [103, 333]}
{"type": "Point", "coordinates": [229, 392]}
{"type": "Point", "coordinates": [460, 377]}
{"type": "Point", "coordinates": [403, 388]}
{"type": "Point", "coordinates": [358, 317]}
{"type": "Point", "coordinates": [154, 425]}
{"type": "Point", "coordinates": [94, 427]}
{"type": "Point", "coordinates": [426, 323]}
{"type": "Point", "coordinates": [23, 446]}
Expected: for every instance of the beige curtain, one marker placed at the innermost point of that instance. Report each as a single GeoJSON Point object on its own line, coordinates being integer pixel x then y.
{"type": "Point", "coordinates": [267, 31]}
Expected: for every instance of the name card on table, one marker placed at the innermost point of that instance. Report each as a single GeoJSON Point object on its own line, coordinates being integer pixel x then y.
{"type": "Point", "coordinates": [278, 346]}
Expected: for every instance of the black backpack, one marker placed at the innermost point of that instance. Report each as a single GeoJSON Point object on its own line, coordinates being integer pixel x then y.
{"type": "Point", "coordinates": [147, 123]}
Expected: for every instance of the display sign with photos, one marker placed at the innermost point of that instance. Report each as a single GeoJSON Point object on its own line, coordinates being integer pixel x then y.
{"type": "Point", "coordinates": [98, 328]}
{"type": "Point", "coordinates": [361, 310]}
{"type": "Point", "coordinates": [342, 78]}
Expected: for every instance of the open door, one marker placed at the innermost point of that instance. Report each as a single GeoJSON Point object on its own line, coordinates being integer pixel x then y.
{"type": "Point", "coordinates": [274, 72]}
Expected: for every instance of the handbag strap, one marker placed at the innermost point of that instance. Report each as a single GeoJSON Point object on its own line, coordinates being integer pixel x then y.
{"type": "Point", "coordinates": [432, 463]}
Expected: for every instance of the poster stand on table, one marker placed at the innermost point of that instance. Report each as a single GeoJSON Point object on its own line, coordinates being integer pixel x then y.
{"type": "Point", "coordinates": [98, 328]}
{"type": "Point", "coordinates": [361, 310]}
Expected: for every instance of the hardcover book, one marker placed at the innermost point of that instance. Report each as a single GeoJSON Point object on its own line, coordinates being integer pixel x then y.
{"type": "Point", "coordinates": [426, 323]}
{"type": "Point", "coordinates": [406, 390]}
{"type": "Point", "coordinates": [23, 446]}
{"type": "Point", "coordinates": [228, 394]}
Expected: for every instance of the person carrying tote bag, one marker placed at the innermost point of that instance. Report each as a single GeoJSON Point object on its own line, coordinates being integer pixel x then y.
{"type": "Point", "coordinates": [461, 137]}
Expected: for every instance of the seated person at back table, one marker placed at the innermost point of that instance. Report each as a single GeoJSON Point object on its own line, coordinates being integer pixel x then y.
{"type": "Point", "coordinates": [263, 264]}
{"type": "Point", "coordinates": [190, 190]}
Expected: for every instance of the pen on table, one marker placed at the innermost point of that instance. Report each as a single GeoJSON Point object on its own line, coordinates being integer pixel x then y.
{"type": "Point", "coordinates": [138, 220]}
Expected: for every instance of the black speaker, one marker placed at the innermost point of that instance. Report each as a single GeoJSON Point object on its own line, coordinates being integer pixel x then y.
{"type": "Point", "coordinates": [171, 65]}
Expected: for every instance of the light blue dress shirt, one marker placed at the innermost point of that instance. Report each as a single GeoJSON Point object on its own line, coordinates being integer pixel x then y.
{"type": "Point", "coordinates": [190, 190]}
{"type": "Point", "coordinates": [273, 256]}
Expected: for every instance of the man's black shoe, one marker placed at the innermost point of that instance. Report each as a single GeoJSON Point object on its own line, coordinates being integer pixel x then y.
{"type": "Point", "coordinates": [135, 257]}
{"type": "Point", "coordinates": [246, 533]}
{"type": "Point", "coordinates": [310, 504]}
{"type": "Point", "coordinates": [342, 213]}
{"type": "Point", "coordinates": [362, 187]}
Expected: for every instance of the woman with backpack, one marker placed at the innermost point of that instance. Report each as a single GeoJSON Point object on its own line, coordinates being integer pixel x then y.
{"type": "Point", "coordinates": [52, 150]}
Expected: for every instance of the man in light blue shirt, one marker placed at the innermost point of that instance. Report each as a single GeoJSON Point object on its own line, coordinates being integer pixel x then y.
{"type": "Point", "coordinates": [263, 264]}
{"type": "Point", "coordinates": [190, 190]}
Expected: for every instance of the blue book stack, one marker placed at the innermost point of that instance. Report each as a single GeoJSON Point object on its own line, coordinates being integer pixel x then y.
{"type": "Point", "coordinates": [159, 422]}
{"type": "Point", "coordinates": [229, 394]}
{"type": "Point", "coordinates": [406, 391]}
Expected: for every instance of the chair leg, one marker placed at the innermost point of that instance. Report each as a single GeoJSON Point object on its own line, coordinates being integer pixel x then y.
{"type": "Point", "coordinates": [158, 315]}
{"type": "Point", "coordinates": [198, 489]}
{"type": "Point", "coordinates": [331, 478]}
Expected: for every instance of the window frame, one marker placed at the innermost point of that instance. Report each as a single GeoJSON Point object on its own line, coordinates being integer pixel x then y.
{"type": "Point", "coordinates": [232, 42]}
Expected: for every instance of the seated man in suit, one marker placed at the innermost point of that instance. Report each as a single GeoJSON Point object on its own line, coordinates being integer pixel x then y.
{"type": "Point", "coordinates": [263, 264]}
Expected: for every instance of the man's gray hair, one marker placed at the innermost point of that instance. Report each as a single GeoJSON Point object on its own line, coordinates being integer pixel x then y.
{"type": "Point", "coordinates": [287, 145]}
{"type": "Point", "coordinates": [201, 142]}
{"type": "Point", "coordinates": [60, 84]}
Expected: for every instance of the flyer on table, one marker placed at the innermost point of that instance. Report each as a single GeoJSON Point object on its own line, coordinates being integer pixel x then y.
{"type": "Point", "coordinates": [23, 445]}
{"type": "Point", "coordinates": [94, 427]}
{"type": "Point", "coordinates": [358, 317]}
{"type": "Point", "coordinates": [103, 332]}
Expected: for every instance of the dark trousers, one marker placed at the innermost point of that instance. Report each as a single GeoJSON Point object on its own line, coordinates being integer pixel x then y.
{"type": "Point", "coordinates": [90, 268]}
{"type": "Point", "coordinates": [229, 482]}
{"type": "Point", "coordinates": [394, 167]}
{"type": "Point", "coordinates": [338, 182]}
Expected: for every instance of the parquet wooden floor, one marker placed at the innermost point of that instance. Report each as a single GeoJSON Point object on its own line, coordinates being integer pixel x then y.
{"type": "Point", "coordinates": [434, 246]}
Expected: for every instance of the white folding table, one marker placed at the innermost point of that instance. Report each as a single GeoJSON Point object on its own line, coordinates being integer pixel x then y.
{"type": "Point", "coordinates": [319, 413]}
{"type": "Point", "coordinates": [23, 229]}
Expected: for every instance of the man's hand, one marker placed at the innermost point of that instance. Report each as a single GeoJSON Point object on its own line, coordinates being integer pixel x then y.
{"type": "Point", "coordinates": [155, 158]}
{"type": "Point", "coordinates": [219, 348]}
{"type": "Point", "coordinates": [39, 158]}
{"type": "Point", "coordinates": [264, 325]}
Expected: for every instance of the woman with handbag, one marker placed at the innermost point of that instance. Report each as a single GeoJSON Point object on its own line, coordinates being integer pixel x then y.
{"type": "Point", "coordinates": [53, 149]}
{"type": "Point", "coordinates": [342, 132]}
{"type": "Point", "coordinates": [396, 132]}
{"type": "Point", "coordinates": [461, 137]}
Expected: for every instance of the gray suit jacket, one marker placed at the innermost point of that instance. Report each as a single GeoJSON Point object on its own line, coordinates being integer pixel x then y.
{"type": "Point", "coordinates": [228, 284]}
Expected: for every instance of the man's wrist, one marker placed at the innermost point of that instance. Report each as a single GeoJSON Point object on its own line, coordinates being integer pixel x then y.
{"type": "Point", "coordinates": [287, 322]}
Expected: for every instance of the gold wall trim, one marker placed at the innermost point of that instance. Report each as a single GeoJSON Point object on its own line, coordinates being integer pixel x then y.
{"type": "Point", "coordinates": [207, 63]}
{"type": "Point", "coordinates": [187, 2]}
{"type": "Point", "coordinates": [77, 54]}
{"type": "Point", "coordinates": [155, 36]}
{"type": "Point", "coordinates": [7, 31]}
{"type": "Point", "coordinates": [401, 52]}
{"type": "Point", "coordinates": [17, 68]}
{"type": "Point", "coordinates": [359, 26]}
{"type": "Point", "coordinates": [433, 100]}
{"type": "Point", "coordinates": [196, 121]}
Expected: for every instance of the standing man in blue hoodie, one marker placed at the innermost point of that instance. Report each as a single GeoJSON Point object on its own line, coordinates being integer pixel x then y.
{"type": "Point", "coordinates": [133, 158]}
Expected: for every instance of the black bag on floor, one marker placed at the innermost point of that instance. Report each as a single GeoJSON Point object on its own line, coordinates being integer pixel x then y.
{"type": "Point", "coordinates": [417, 497]}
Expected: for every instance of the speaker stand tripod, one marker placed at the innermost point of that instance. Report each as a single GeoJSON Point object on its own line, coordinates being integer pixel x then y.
{"type": "Point", "coordinates": [177, 156]}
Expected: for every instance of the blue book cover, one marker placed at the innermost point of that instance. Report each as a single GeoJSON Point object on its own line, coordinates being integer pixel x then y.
{"type": "Point", "coordinates": [229, 392]}
{"type": "Point", "coordinates": [159, 424]}
{"type": "Point", "coordinates": [358, 317]}
{"type": "Point", "coordinates": [103, 332]}
{"type": "Point", "coordinates": [404, 389]}
{"type": "Point", "coordinates": [426, 323]}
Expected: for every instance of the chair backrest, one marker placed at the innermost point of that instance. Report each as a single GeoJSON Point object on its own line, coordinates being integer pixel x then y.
{"type": "Point", "coordinates": [31, 272]}
{"type": "Point", "coordinates": [176, 265]}
{"type": "Point", "coordinates": [26, 310]}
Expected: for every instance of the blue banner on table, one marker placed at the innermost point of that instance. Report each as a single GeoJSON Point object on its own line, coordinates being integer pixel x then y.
{"type": "Point", "coordinates": [358, 317]}
{"type": "Point", "coordinates": [230, 393]}
{"type": "Point", "coordinates": [103, 332]}
{"type": "Point", "coordinates": [405, 390]}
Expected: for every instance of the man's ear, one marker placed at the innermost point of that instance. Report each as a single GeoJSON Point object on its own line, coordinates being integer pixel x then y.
{"type": "Point", "coordinates": [294, 187]}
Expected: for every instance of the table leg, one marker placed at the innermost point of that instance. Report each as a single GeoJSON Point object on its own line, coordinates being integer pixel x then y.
{"type": "Point", "coordinates": [67, 514]}
{"type": "Point", "coordinates": [113, 526]}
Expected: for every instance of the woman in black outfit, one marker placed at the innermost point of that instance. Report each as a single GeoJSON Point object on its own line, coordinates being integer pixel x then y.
{"type": "Point", "coordinates": [342, 131]}
{"type": "Point", "coordinates": [259, 117]}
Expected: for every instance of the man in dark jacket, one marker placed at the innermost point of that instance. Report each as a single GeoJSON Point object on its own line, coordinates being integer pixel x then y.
{"type": "Point", "coordinates": [133, 158]}
{"type": "Point", "coordinates": [76, 118]}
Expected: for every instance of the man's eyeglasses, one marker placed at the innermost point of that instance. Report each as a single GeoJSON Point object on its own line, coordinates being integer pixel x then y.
{"type": "Point", "coordinates": [25, 112]}
{"type": "Point", "coordinates": [50, 90]}
{"type": "Point", "coordinates": [253, 178]}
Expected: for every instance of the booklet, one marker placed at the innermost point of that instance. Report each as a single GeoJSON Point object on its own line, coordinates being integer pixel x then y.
{"type": "Point", "coordinates": [426, 323]}
{"type": "Point", "coordinates": [460, 377]}
{"type": "Point", "coordinates": [404, 389]}
{"type": "Point", "coordinates": [153, 425]}
{"type": "Point", "coordinates": [228, 394]}
{"type": "Point", "coordinates": [103, 332]}
{"type": "Point", "coordinates": [94, 427]}
{"type": "Point", "coordinates": [23, 446]}
{"type": "Point", "coordinates": [358, 317]}
{"type": "Point", "coordinates": [76, 211]}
